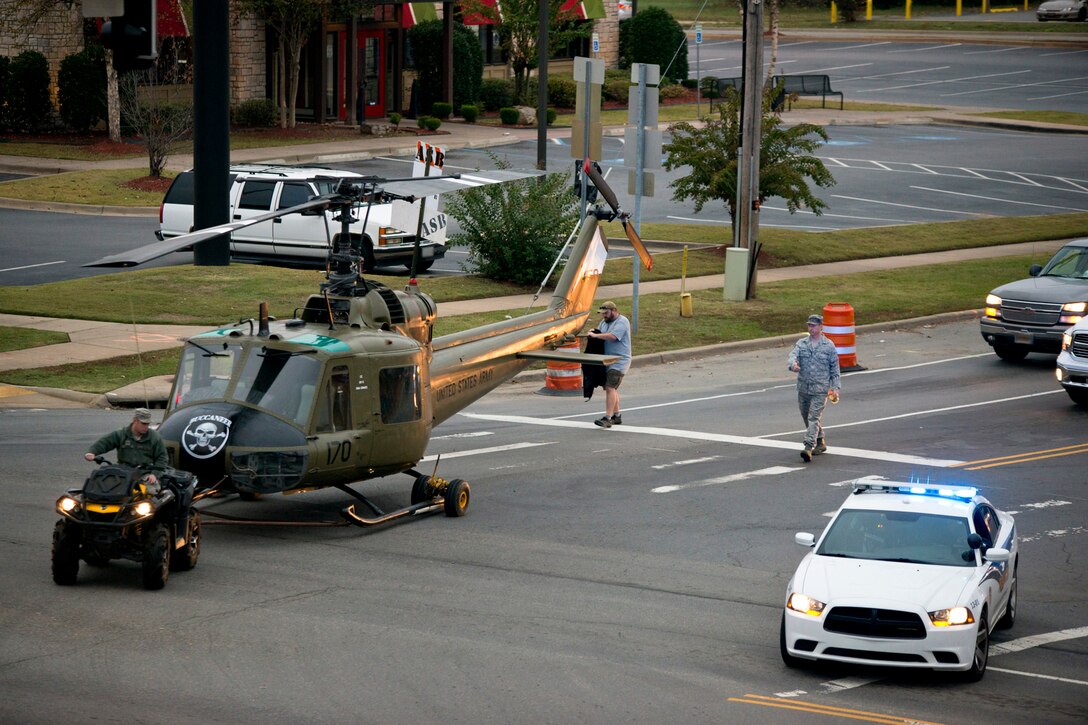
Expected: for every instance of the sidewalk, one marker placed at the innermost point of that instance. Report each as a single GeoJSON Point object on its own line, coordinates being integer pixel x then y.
{"type": "Point", "coordinates": [92, 340]}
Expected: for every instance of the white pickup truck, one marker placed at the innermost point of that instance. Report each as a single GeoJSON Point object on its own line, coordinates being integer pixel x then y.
{"type": "Point", "coordinates": [257, 189]}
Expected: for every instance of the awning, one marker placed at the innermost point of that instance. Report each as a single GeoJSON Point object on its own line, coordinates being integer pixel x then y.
{"type": "Point", "coordinates": [471, 18]}
{"type": "Point", "coordinates": [585, 9]}
{"type": "Point", "coordinates": [170, 20]}
{"type": "Point", "coordinates": [413, 13]}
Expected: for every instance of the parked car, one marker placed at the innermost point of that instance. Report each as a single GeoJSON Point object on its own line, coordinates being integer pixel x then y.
{"type": "Point", "coordinates": [1030, 315]}
{"type": "Point", "coordinates": [1062, 10]}
{"type": "Point", "coordinates": [1072, 368]}
{"type": "Point", "coordinates": [256, 189]}
{"type": "Point", "coordinates": [905, 575]}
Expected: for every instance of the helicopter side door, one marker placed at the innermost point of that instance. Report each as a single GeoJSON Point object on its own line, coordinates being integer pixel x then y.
{"type": "Point", "coordinates": [402, 419]}
{"type": "Point", "coordinates": [342, 439]}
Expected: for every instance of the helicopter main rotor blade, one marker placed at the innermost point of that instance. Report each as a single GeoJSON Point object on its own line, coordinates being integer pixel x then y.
{"type": "Point", "coordinates": [625, 218]}
{"type": "Point", "coordinates": [636, 242]}
{"type": "Point", "coordinates": [431, 185]}
{"type": "Point", "coordinates": [140, 255]}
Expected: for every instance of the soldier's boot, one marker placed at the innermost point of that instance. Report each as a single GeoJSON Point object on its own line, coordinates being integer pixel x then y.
{"type": "Point", "coordinates": [806, 454]}
{"type": "Point", "coordinates": [821, 447]}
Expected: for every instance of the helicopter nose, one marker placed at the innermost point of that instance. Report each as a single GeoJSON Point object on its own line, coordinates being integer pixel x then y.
{"type": "Point", "coordinates": [215, 441]}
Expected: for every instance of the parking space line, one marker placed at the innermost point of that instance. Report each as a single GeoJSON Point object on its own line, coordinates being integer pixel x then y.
{"type": "Point", "coordinates": [1036, 675]}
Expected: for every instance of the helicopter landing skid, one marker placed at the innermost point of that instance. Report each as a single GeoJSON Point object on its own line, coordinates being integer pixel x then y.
{"type": "Point", "coordinates": [430, 494]}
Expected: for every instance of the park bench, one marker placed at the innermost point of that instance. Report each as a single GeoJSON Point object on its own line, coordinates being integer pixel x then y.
{"type": "Point", "coordinates": [802, 85]}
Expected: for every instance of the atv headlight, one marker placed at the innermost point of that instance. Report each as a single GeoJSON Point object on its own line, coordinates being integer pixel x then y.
{"type": "Point", "coordinates": [67, 504]}
{"type": "Point", "coordinates": [805, 604]}
{"type": "Point", "coordinates": [951, 617]}
{"type": "Point", "coordinates": [142, 509]}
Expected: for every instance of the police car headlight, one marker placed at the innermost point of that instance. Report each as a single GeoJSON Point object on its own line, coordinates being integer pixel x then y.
{"type": "Point", "coordinates": [67, 503]}
{"type": "Point", "coordinates": [142, 509]}
{"type": "Point", "coordinates": [951, 617]}
{"type": "Point", "coordinates": [805, 604]}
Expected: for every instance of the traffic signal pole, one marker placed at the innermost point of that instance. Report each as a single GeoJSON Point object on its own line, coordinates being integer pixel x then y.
{"type": "Point", "coordinates": [211, 129]}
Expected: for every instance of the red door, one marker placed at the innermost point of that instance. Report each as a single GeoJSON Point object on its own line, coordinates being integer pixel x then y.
{"type": "Point", "coordinates": [371, 63]}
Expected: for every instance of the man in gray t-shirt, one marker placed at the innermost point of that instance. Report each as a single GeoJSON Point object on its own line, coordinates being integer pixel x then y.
{"type": "Point", "coordinates": [615, 332]}
{"type": "Point", "coordinates": [816, 363]}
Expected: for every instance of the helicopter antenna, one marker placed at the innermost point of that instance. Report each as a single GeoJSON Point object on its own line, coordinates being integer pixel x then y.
{"type": "Point", "coordinates": [328, 306]}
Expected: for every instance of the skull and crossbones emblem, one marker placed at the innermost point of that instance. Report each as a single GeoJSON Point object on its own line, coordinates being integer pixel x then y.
{"type": "Point", "coordinates": [204, 437]}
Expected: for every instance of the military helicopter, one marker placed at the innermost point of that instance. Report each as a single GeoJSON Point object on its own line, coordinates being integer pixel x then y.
{"type": "Point", "coordinates": [350, 388]}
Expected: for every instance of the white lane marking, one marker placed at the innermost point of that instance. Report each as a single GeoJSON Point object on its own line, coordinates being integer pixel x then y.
{"type": "Point", "coordinates": [1003, 200]}
{"type": "Point", "coordinates": [864, 45]}
{"type": "Point", "coordinates": [1041, 677]}
{"type": "Point", "coordinates": [1057, 95]}
{"type": "Point", "coordinates": [688, 462]}
{"type": "Point", "coordinates": [930, 83]}
{"type": "Point", "coordinates": [999, 50]}
{"type": "Point", "coordinates": [482, 451]}
{"type": "Point", "coordinates": [1047, 504]}
{"type": "Point", "coordinates": [1055, 534]}
{"type": "Point", "coordinates": [907, 206]}
{"type": "Point", "coordinates": [1049, 82]}
{"type": "Point", "coordinates": [928, 47]}
{"type": "Point", "coordinates": [837, 67]}
{"type": "Point", "coordinates": [886, 456]}
{"type": "Point", "coordinates": [475, 434]}
{"type": "Point", "coordinates": [31, 266]}
{"type": "Point", "coordinates": [731, 478]}
{"type": "Point", "coordinates": [921, 412]}
{"type": "Point", "coordinates": [1037, 640]}
{"type": "Point", "coordinates": [846, 683]}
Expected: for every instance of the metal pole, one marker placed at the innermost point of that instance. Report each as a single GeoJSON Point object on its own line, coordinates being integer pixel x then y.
{"type": "Point", "coordinates": [587, 113]}
{"type": "Point", "coordinates": [542, 88]}
{"type": "Point", "coordinates": [211, 129]}
{"type": "Point", "coordinates": [640, 164]}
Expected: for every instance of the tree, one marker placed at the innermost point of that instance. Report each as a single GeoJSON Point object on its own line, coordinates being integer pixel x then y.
{"type": "Point", "coordinates": [468, 59]}
{"type": "Point", "coordinates": [514, 230]}
{"type": "Point", "coordinates": [518, 26]}
{"type": "Point", "coordinates": [159, 123]}
{"type": "Point", "coordinates": [656, 38]}
{"type": "Point", "coordinates": [786, 163]}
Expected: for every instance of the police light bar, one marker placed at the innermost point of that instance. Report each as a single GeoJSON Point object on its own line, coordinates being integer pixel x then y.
{"type": "Point", "coordinates": [965, 493]}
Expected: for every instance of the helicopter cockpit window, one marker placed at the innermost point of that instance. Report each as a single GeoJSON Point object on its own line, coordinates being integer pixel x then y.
{"type": "Point", "coordinates": [205, 372]}
{"type": "Point", "coordinates": [400, 394]}
{"type": "Point", "coordinates": [275, 379]}
{"type": "Point", "coordinates": [334, 405]}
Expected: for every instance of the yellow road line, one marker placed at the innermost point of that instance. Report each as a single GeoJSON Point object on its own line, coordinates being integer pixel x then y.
{"type": "Point", "coordinates": [1082, 449]}
{"type": "Point", "coordinates": [815, 708]}
{"type": "Point", "coordinates": [1017, 457]}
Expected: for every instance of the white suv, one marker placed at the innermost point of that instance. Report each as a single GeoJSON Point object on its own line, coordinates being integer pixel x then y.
{"type": "Point", "coordinates": [257, 189]}
{"type": "Point", "coordinates": [1072, 370]}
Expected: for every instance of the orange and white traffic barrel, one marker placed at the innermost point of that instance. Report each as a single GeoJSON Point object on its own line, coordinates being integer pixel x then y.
{"type": "Point", "coordinates": [562, 378]}
{"type": "Point", "coordinates": [839, 328]}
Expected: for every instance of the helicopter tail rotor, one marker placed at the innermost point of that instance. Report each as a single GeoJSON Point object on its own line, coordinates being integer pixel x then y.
{"type": "Point", "coordinates": [625, 218]}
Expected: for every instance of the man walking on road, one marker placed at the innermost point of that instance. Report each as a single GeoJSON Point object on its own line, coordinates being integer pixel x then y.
{"type": "Point", "coordinates": [816, 363]}
{"type": "Point", "coordinates": [615, 331]}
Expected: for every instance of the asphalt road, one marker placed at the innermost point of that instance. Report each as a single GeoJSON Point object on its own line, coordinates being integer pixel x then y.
{"type": "Point", "coordinates": [573, 591]}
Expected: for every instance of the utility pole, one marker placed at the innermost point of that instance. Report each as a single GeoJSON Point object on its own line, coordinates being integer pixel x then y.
{"type": "Point", "coordinates": [211, 129]}
{"type": "Point", "coordinates": [741, 258]}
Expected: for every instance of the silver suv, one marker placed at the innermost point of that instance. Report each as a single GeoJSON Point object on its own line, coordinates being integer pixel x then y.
{"type": "Point", "coordinates": [1030, 315]}
{"type": "Point", "coordinates": [257, 189]}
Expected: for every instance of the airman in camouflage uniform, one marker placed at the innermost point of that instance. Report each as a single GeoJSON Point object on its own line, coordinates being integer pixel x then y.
{"type": "Point", "coordinates": [816, 363]}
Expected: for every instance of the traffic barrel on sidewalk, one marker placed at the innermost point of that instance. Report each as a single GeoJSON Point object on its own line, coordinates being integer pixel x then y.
{"type": "Point", "coordinates": [839, 328]}
{"type": "Point", "coordinates": [562, 378]}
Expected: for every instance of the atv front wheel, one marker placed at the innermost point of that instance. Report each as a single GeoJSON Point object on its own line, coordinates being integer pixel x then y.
{"type": "Point", "coordinates": [156, 561]}
{"type": "Point", "coordinates": [66, 537]}
{"type": "Point", "coordinates": [184, 559]}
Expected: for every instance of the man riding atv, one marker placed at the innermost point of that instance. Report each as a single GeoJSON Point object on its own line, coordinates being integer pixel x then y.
{"type": "Point", "coordinates": [140, 510]}
{"type": "Point", "coordinates": [140, 446]}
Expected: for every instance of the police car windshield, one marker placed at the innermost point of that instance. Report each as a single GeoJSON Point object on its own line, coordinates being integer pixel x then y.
{"type": "Point", "coordinates": [900, 536]}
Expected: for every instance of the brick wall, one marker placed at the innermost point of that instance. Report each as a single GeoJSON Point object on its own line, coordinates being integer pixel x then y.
{"type": "Point", "coordinates": [247, 58]}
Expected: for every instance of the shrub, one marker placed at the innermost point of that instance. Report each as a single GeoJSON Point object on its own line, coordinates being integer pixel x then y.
{"type": "Point", "coordinates": [470, 113]}
{"type": "Point", "coordinates": [433, 123]}
{"type": "Point", "coordinates": [509, 116]}
{"type": "Point", "coordinates": [394, 118]}
{"type": "Point", "coordinates": [615, 89]}
{"type": "Point", "coordinates": [421, 121]}
{"type": "Point", "coordinates": [495, 93]}
{"type": "Point", "coordinates": [562, 91]}
{"type": "Point", "coordinates": [689, 83]}
{"type": "Point", "coordinates": [81, 88]}
{"type": "Point", "coordinates": [255, 113]}
{"type": "Point", "coordinates": [708, 87]}
{"type": "Point", "coordinates": [653, 36]}
{"type": "Point", "coordinates": [514, 230]}
{"type": "Point", "coordinates": [28, 92]}
{"type": "Point", "coordinates": [552, 115]}
{"type": "Point", "coordinates": [672, 90]}
{"type": "Point", "coordinates": [441, 109]}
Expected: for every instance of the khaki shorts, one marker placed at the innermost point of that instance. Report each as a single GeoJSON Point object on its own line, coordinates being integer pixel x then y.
{"type": "Point", "coordinates": [613, 379]}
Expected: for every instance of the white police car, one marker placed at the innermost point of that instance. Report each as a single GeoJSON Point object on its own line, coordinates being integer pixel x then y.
{"type": "Point", "coordinates": [905, 575]}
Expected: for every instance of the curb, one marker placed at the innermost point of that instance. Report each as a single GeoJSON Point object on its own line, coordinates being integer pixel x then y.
{"type": "Point", "coordinates": [87, 209]}
{"type": "Point", "coordinates": [91, 400]}
{"type": "Point", "coordinates": [766, 343]}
